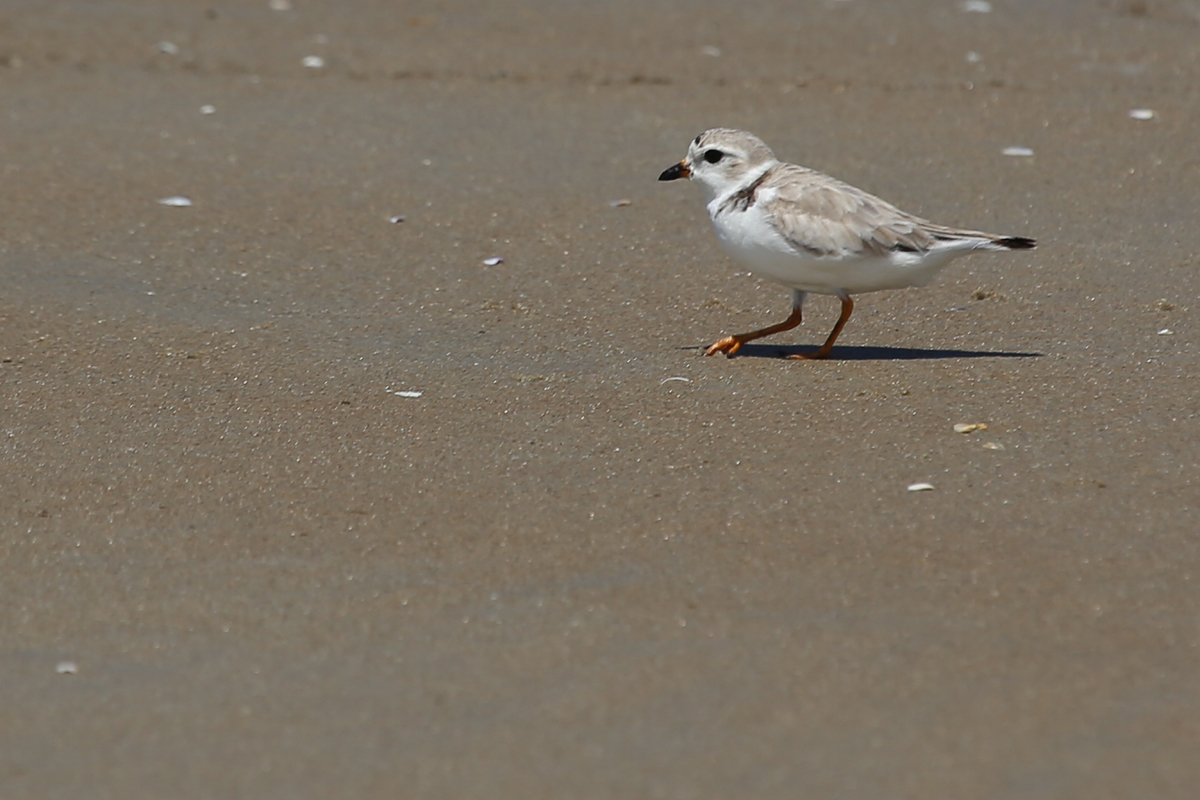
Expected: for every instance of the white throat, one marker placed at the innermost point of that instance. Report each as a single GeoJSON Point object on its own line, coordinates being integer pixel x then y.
{"type": "Point", "coordinates": [719, 194]}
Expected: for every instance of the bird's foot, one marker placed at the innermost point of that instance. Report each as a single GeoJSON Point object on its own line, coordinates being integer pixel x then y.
{"type": "Point", "coordinates": [822, 353]}
{"type": "Point", "coordinates": [729, 345]}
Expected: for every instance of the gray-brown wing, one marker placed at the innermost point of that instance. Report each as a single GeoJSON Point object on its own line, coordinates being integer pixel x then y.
{"type": "Point", "coordinates": [823, 216]}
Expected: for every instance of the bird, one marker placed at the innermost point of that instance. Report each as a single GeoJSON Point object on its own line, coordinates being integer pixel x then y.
{"type": "Point", "coordinates": [814, 233]}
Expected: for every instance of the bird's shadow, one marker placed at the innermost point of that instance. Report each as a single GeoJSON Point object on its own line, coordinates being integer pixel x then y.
{"type": "Point", "coordinates": [855, 353]}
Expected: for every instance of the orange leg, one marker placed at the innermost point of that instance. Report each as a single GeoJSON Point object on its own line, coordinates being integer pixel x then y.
{"type": "Point", "coordinates": [731, 344]}
{"type": "Point", "coordinates": [847, 310]}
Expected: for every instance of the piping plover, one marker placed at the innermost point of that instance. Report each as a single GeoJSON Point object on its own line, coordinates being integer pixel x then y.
{"type": "Point", "coordinates": [813, 233]}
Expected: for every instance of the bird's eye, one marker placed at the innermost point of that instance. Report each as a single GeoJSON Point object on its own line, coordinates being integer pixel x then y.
{"type": "Point", "coordinates": [713, 156]}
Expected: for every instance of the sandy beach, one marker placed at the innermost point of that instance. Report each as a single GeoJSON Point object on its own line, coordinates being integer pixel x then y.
{"type": "Point", "coordinates": [299, 501]}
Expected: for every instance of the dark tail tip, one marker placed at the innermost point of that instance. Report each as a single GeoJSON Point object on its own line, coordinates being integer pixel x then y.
{"type": "Point", "coordinates": [1016, 242]}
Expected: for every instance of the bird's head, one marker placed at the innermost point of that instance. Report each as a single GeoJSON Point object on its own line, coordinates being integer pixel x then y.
{"type": "Point", "coordinates": [720, 159]}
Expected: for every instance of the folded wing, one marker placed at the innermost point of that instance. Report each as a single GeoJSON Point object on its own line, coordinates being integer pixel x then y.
{"type": "Point", "coordinates": [823, 216]}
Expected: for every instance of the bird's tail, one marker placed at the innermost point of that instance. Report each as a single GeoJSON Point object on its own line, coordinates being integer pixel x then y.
{"type": "Point", "coordinates": [978, 240]}
{"type": "Point", "coordinates": [1014, 243]}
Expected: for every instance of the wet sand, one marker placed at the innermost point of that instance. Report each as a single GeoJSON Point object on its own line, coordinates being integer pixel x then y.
{"type": "Point", "coordinates": [557, 572]}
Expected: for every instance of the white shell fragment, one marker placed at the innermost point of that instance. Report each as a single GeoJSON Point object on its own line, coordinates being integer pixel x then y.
{"type": "Point", "coordinates": [396, 218]}
{"type": "Point", "coordinates": [970, 427]}
{"type": "Point", "coordinates": [665, 380]}
{"type": "Point", "coordinates": [920, 487]}
{"type": "Point", "coordinates": [1166, 332]}
{"type": "Point", "coordinates": [313, 62]}
{"type": "Point", "coordinates": [992, 446]}
{"type": "Point", "coordinates": [1017, 151]}
{"type": "Point", "coordinates": [207, 109]}
{"type": "Point", "coordinates": [1142, 113]}
{"type": "Point", "coordinates": [973, 57]}
{"type": "Point", "coordinates": [620, 203]}
{"type": "Point", "coordinates": [493, 261]}
{"type": "Point", "coordinates": [177, 201]}
{"type": "Point", "coordinates": [977, 7]}
{"type": "Point", "coordinates": [170, 48]}
{"type": "Point", "coordinates": [408, 394]}
{"type": "Point", "coordinates": [66, 668]}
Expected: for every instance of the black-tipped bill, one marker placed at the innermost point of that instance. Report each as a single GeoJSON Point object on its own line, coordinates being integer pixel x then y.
{"type": "Point", "coordinates": [675, 172]}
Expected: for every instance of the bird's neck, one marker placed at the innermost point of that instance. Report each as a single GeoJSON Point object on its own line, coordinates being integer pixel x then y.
{"type": "Point", "coordinates": [716, 196]}
{"type": "Point", "coordinates": [719, 194]}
